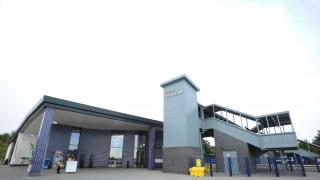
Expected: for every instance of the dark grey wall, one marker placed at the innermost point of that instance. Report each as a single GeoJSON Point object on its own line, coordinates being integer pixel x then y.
{"type": "Point", "coordinates": [128, 149]}
{"type": "Point", "coordinates": [59, 140]}
{"type": "Point", "coordinates": [225, 142]}
{"type": "Point", "coordinates": [179, 159]}
{"type": "Point", "coordinates": [97, 143]}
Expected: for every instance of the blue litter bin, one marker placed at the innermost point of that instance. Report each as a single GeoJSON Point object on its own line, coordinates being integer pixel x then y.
{"type": "Point", "coordinates": [46, 164]}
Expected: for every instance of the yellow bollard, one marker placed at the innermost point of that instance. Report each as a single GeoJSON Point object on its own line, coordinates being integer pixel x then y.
{"type": "Point", "coordinates": [197, 171]}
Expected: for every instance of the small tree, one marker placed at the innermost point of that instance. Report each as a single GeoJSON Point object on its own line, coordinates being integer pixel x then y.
{"type": "Point", "coordinates": [303, 144]}
{"type": "Point", "coordinates": [312, 148]}
{"type": "Point", "coordinates": [4, 143]}
{"type": "Point", "coordinates": [316, 139]}
{"type": "Point", "coordinates": [208, 149]}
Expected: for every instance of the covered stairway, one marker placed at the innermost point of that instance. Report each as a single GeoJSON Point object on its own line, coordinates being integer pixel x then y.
{"type": "Point", "coordinates": [268, 132]}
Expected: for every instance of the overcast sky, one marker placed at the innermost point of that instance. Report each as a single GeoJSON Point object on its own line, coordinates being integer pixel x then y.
{"type": "Point", "coordinates": [257, 57]}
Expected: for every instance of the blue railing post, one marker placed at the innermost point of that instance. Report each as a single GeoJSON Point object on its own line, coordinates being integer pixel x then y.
{"type": "Point", "coordinates": [230, 167]}
{"type": "Point", "coordinates": [269, 161]}
{"type": "Point", "coordinates": [317, 164]}
{"type": "Point", "coordinates": [290, 163]}
{"type": "Point", "coordinates": [276, 170]}
{"type": "Point", "coordinates": [302, 166]}
{"type": "Point", "coordinates": [248, 167]}
{"type": "Point", "coordinates": [211, 162]}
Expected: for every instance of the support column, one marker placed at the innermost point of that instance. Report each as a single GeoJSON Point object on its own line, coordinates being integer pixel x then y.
{"type": "Point", "coordinates": [258, 133]}
{"type": "Point", "coordinates": [234, 121]}
{"type": "Point", "coordinates": [151, 142]}
{"type": "Point", "coordinates": [201, 133]}
{"type": "Point", "coordinates": [257, 124]}
{"type": "Point", "coordinates": [291, 124]}
{"type": "Point", "coordinates": [39, 153]}
{"type": "Point", "coordinates": [268, 130]}
{"type": "Point", "coordinates": [247, 123]}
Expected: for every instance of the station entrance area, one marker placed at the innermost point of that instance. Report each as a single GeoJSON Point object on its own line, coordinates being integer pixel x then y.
{"type": "Point", "coordinates": [83, 136]}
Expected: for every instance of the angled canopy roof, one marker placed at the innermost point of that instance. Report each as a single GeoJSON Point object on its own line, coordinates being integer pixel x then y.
{"type": "Point", "coordinates": [92, 110]}
{"type": "Point", "coordinates": [65, 105]}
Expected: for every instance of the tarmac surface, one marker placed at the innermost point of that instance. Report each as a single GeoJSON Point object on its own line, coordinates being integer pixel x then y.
{"type": "Point", "coordinates": [19, 173]}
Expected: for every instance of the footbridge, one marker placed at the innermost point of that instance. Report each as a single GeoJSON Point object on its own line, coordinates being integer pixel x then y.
{"type": "Point", "coordinates": [267, 132]}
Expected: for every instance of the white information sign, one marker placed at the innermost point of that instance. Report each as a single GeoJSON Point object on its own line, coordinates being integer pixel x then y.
{"type": "Point", "coordinates": [71, 166]}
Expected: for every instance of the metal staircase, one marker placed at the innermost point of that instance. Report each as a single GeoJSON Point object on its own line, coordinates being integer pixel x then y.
{"type": "Point", "coordinates": [304, 153]}
{"type": "Point", "coordinates": [308, 152]}
{"type": "Point", "coordinates": [267, 132]}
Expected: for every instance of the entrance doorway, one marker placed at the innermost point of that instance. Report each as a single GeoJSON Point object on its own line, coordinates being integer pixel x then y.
{"type": "Point", "coordinates": [116, 148]}
{"type": "Point", "coordinates": [234, 161]}
{"type": "Point", "coordinates": [139, 151]}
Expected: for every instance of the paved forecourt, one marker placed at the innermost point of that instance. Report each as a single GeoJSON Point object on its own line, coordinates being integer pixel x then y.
{"type": "Point", "coordinates": [19, 173]}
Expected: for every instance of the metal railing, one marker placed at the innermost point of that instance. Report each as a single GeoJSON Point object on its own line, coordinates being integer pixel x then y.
{"type": "Point", "coordinates": [275, 123]}
{"type": "Point", "coordinates": [262, 166]}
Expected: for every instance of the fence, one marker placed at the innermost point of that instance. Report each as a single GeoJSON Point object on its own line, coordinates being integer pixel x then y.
{"type": "Point", "coordinates": [263, 166]}
{"type": "Point", "coordinates": [312, 164]}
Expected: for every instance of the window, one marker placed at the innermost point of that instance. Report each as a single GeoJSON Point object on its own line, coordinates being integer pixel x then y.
{"type": "Point", "coordinates": [73, 145]}
{"type": "Point", "coordinates": [136, 143]}
{"type": "Point", "coordinates": [116, 147]}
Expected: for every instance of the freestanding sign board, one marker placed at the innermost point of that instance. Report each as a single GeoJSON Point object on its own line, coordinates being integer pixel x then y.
{"type": "Point", "coordinates": [71, 166]}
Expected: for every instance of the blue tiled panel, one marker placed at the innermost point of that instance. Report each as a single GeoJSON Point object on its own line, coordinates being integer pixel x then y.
{"type": "Point", "coordinates": [42, 142]}
{"type": "Point", "coordinates": [59, 140]}
{"type": "Point", "coordinates": [97, 143]}
{"type": "Point", "coordinates": [158, 145]}
{"type": "Point", "coordinates": [151, 143]}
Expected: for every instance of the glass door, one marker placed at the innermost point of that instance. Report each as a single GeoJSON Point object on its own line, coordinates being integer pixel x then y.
{"type": "Point", "coordinates": [116, 148]}
{"type": "Point", "coordinates": [139, 151]}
